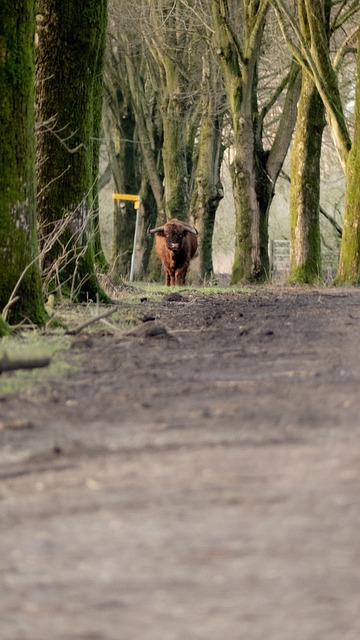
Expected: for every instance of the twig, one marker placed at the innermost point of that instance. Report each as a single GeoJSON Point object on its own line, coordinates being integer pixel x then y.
{"type": "Point", "coordinates": [8, 305]}
{"type": "Point", "coordinates": [74, 332]}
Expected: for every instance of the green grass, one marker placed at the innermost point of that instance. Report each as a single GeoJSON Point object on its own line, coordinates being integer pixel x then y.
{"type": "Point", "coordinates": [53, 342]}
{"type": "Point", "coordinates": [156, 290]}
{"type": "Point", "coordinates": [28, 346]}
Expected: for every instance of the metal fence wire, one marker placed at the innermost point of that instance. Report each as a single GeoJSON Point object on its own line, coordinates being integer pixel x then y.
{"type": "Point", "coordinates": [279, 254]}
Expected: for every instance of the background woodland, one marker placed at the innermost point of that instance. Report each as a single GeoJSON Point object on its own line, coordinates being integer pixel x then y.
{"type": "Point", "coordinates": [173, 91]}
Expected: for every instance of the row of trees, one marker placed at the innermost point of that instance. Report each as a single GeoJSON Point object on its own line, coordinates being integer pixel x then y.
{"type": "Point", "coordinates": [183, 80]}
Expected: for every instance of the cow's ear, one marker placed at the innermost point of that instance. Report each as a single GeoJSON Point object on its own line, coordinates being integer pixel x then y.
{"type": "Point", "coordinates": [161, 233]}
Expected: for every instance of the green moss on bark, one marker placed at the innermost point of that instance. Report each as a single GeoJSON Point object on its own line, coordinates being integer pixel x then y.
{"type": "Point", "coordinates": [243, 261]}
{"type": "Point", "coordinates": [69, 54]}
{"type": "Point", "coordinates": [19, 268]}
{"type": "Point", "coordinates": [305, 262]}
{"type": "Point", "coordinates": [174, 159]}
{"type": "Point", "coordinates": [4, 328]}
{"type": "Point", "coordinates": [208, 193]}
{"type": "Point", "coordinates": [349, 264]}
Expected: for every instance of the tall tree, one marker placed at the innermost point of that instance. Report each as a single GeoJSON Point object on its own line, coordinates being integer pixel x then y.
{"type": "Point", "coordinates": [349, 265]}
{"type": "Point", "coordinates": [208, 154]}
{"type": "Point", "coordinates": [305, 239]}
{"type": "Point", "coordinates": [19, 264]}
{"type": "Point", "coordinates": [70, 47]}
{"type": "Point", "coordinates": [119, 129]}
{"type": "Point", "coordinates": [98, 99]}
{"type": "Point", "coordinates": [254, 168]}
{"type": "Point", "coordinates": [317, 61]}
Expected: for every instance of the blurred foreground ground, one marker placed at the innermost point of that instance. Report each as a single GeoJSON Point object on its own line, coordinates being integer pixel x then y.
{"type": "Point", "coordinates": [197, 479]}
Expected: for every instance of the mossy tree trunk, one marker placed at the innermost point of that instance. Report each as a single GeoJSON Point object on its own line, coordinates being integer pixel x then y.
{"type": "Point", "coordinates": [305, 239]}
{"type": "Point", "coordinates": [318, 15]}
{"type": "Point", "coordinates": [240, 78]}
{"type": "Point", "coordinates": [349, 264]}
{"type": "Point", "coordinates": [313, 53]}
{"type": "Point", "coordinates": [98, 99]}
{"type": "Point", "coordinates": [317, 60]}
{"type": "Point", "coordinates": [119, 127]}
{"type": "Point", "coordinates": [176, 177]}
{"type": "Point", "coordinates": [254, 171]}
{"type": "Point", "coordinates": [208, 190]}
{"type": "Point", "coordinates": [19, 264]}
{"type": "Point", "coordinates": [69, 53]}
{"type": "Point", "coordinates": [147, 220]}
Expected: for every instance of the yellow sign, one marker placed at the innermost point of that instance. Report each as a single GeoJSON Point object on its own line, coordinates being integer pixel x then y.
{"type": "Point", "coordinates": [125, 196]}
{"type": "Point", "coordinates": [128, 196]}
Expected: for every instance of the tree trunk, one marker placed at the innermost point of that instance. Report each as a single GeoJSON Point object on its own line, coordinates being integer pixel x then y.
{"type": "Point", "coordinates": [70, 42]}
{"type": "Point", "coordinates": [318, 17]}
{"type": "Point", "coordinates": [240, 79]}
{"type": "Point", "coordinates": [170, 43]}
{"type": "Point", "coordinates": [149, 129]}
{"type": "Point", "coordinates": [119, 126]}
{"type": "Point", "coordinates": [98, 99]}
{"type": "Point", "coordinates": [207, 190]}
{"type": "Point", "coordinates": [147, 220]}
{"type": "Point", "coordinates": [247, 264]}
{"type": "Point", "coordinates": [349, 265]}
{"type": "Point", "coordinates": [305, 251]}
{"type": "Point", "coordinates": [19, 264]}
{"type": "Point", "coordinates": [176, 175]}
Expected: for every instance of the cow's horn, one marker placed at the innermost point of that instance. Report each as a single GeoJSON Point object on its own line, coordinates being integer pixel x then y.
{"type": "Point", "coordinates": [190, 229]}
{"type": "Point", "coordinates": [157, 229]}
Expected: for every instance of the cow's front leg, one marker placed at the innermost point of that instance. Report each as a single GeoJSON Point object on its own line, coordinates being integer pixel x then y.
{"type": "Point", "coordinates": [180, 275]}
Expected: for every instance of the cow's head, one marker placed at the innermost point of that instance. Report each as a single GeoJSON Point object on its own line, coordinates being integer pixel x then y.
{"type": "Point", "coordinates": [174, 233]}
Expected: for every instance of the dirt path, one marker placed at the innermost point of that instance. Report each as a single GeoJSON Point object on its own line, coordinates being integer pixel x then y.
{"type": "Point", "coordinates": [197, 479]}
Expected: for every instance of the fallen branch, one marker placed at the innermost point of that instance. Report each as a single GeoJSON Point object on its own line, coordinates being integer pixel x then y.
{"type": "Point", "coordinates": [74, 332]}
{"type": "Point", "coordinates": [26, 363]}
